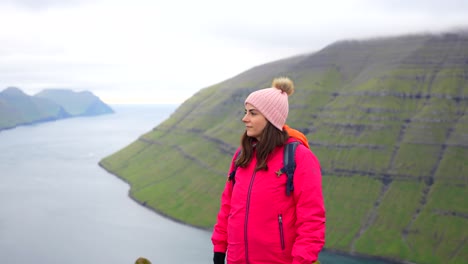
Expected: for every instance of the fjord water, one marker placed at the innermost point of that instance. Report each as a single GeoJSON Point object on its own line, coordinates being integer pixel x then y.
{"type": "Point", "coordinates": [58, 206]}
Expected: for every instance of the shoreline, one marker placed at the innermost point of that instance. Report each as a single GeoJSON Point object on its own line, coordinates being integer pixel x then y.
{"type": "Point", "coordinates": [48, 120]}
{"type": "Point", "coordinates": [329, 250]}
{"type": "Point", "coordinates": [368, 257]}
{"type": "Point", "coordinates": [151, 208]}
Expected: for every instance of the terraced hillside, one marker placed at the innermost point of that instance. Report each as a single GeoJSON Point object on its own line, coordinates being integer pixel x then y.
{"type": "Point", "coordinates": [387, 119]}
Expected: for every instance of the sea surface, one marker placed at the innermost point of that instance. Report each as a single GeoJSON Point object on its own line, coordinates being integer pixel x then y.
{"type": "Point", "coordinates": [58, 206]}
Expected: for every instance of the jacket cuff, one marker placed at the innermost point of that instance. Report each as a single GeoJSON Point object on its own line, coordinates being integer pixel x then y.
{"type": "Point", "coordinates": [220, 248]}
{"type": "Point", "coordinates": [297, 261]}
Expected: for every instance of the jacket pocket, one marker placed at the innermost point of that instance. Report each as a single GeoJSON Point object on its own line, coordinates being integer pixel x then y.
{"type": "Point", "coordinates": [281, 230]}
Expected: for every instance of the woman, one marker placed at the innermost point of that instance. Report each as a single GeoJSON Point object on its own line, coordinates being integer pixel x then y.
{"type": "Point", "coordinates": [257, 222]}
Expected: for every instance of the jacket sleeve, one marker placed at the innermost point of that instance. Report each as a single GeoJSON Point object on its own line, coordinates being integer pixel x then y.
{"type": "Point", "coordinates": [219, 236]}
{"type": "Point", "coordinates": [310, 208]}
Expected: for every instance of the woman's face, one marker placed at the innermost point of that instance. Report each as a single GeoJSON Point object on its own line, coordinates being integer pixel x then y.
{"type": "Point", "coordinates": [254, 122]}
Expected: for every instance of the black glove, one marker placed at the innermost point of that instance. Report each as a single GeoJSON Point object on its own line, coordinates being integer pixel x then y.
{"type": "Point", "coordinates": [219, 257]}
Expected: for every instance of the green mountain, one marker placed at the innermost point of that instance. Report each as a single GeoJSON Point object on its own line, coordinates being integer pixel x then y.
{"type": "Point", "coordinates": [76, 103]}
{"type": "Point", "coordinates": [18, 108]}
{"type": "Point", "coordinates": [387, 119]}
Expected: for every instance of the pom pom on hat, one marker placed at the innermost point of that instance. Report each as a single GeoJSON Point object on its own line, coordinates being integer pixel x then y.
{"type": "Point", "coordinates": [273, 102]}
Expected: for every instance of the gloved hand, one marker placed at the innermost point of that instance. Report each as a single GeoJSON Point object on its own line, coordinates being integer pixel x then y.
{"type": "Point", "coordinates": [219, 257]}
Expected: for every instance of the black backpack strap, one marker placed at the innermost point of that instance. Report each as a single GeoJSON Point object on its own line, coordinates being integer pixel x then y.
{"type": "Point", "coordinates": [232, 174]}
{"type": "Point", "coordinates": [289, 165]}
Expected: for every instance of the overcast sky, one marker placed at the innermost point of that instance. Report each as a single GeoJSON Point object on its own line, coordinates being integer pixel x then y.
{"type": "Point", "coordinates": [150, 51]}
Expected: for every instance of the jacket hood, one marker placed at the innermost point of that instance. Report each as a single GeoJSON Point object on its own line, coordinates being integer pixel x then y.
{"type": "Point", "coordinates": [297, 135]}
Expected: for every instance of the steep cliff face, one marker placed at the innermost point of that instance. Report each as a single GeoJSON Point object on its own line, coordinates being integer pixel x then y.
{"type": "Point", "coordinates": [386, 118]}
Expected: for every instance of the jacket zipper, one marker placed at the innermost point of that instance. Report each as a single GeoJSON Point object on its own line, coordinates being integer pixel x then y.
{"type": "Point", "coordinates": [281, 231]}
{"type": "Point", "coordinates": [247, 218]}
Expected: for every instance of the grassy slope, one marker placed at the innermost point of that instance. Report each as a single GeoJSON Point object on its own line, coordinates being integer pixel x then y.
{"type": "Point", "coordinates": [387, 120]}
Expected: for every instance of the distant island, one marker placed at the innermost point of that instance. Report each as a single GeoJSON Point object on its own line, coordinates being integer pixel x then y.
{"type": "Point", "coordinates": [18, 108]}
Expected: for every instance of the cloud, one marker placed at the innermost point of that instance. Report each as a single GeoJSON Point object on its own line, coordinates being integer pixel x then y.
{"type": "Point", "coordinates": [42, 4]}
{"type": "Point", "coordinates": [428, 7]}
{"type": "Point", "coordinates": [167, 50]}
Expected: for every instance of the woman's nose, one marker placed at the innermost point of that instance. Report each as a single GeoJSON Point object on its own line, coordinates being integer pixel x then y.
{"type": "Point", "coordinates": [244, 119]}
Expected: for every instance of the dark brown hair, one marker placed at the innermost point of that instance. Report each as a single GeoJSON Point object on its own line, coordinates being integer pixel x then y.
{"type": "Point", "coordinates": [270, 139]}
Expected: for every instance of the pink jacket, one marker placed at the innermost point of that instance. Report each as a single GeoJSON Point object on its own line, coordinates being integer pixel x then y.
{"type": "Point", "coordinates": [258, 224]}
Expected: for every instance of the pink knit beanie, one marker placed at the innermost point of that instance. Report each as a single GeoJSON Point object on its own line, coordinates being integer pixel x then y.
{"type": "Point", "coordinates": [273, 102]}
